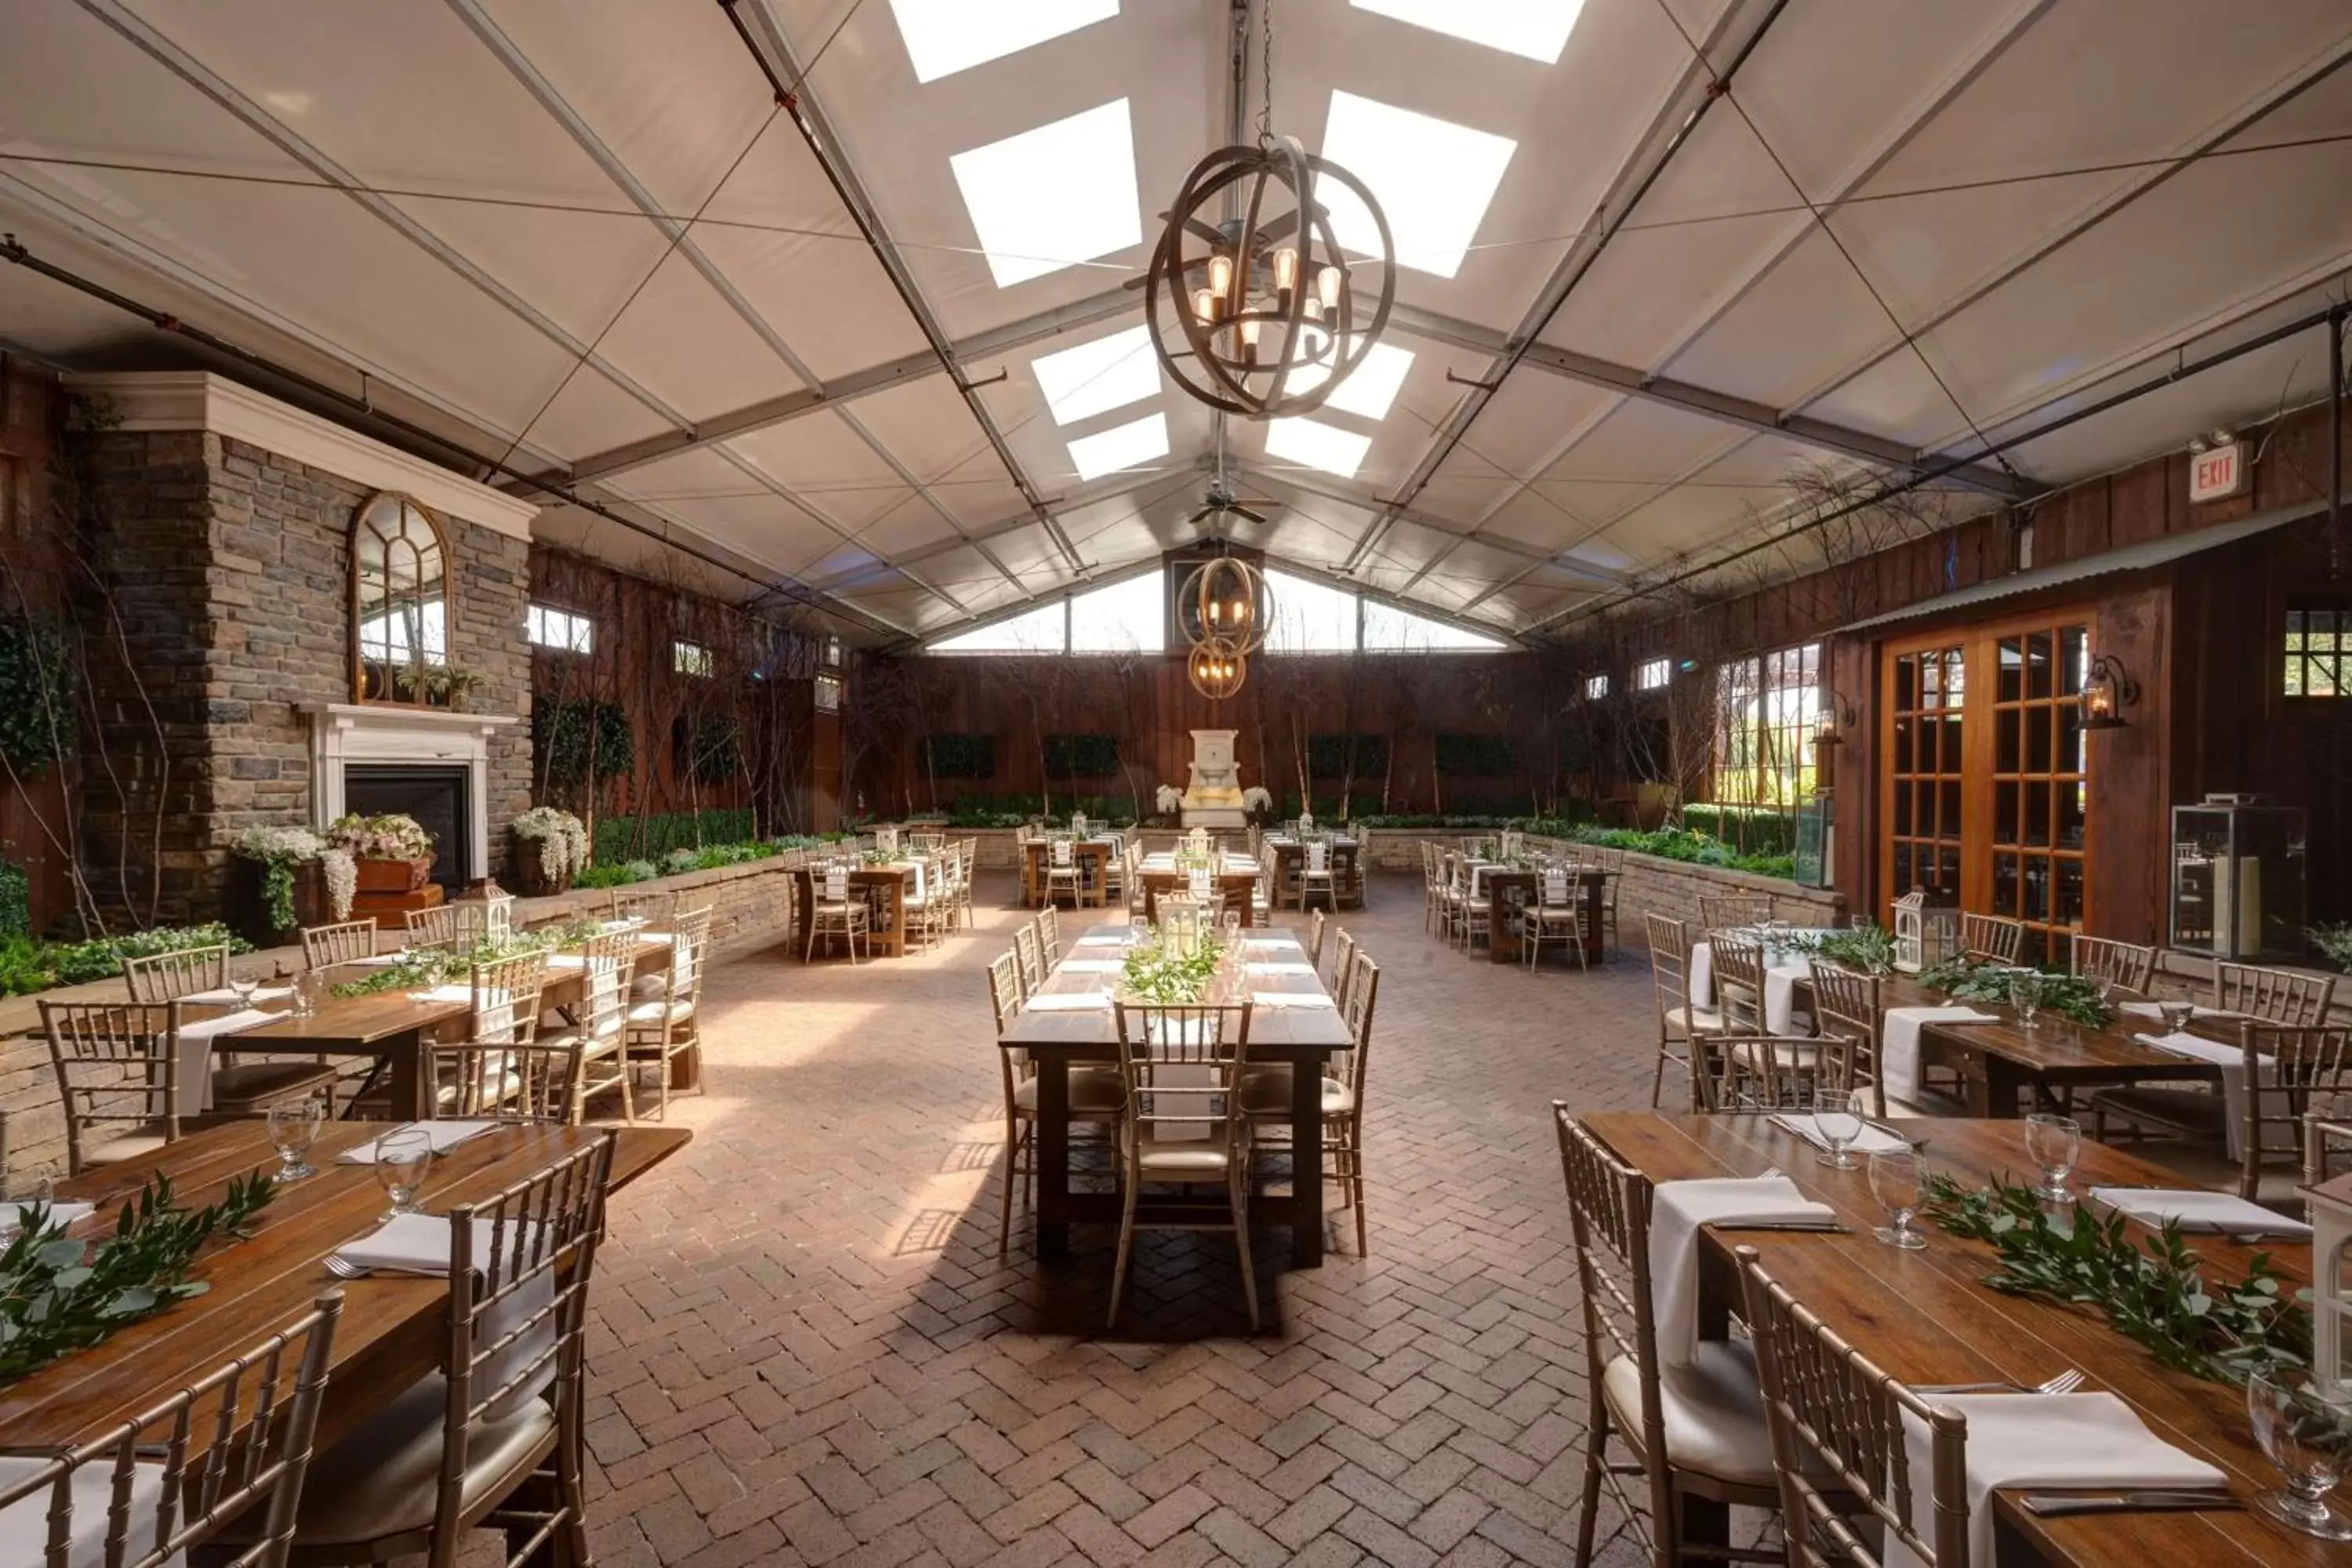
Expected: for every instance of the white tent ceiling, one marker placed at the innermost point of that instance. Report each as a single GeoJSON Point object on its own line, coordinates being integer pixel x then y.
{"type": "Point", "coordinates": [581, 234]}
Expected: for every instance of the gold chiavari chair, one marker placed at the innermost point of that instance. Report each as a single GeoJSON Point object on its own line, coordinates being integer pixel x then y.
{"type": "Point", "coordinates": [435, 927]}
{"type": "Point", "coordinates": [346, 941]}
{"type": "Point", "coordinates": [1049, 936]}
{"type": "Point", "coordinates": [232, 1087]}
{"type": "Point", "coordinates": [1181, 1068]}
{"type": "Point", "coordinates": [1840, 1447]}
{"type": "Point", "coordinates": [2288, 1073]}
{"type": "Point", "coordinates": [1845, 1006]}
{"type": "Point", "coordinates": [1680, 1022]}
{"type": "Point", "coordinates": [2126, 965]}
{"type": "Point", "coordinates": [1096, 1093]}
{"type": "Point", "coordinates": [1991, 938]}
{"type": "Point", "coordinates": [837, 909]}
{"type": "Point", "coordinates": [1556, 915]}
{"type": "Point", "coordinates": [605, 964]}
{"type": "Point", "coordinates": [1265, 1092]}
{"type": "Point", "coordinates": [661, 1032]}
{"type": "Point", "coordinates": [1063, 876]}
{"type": "Point", "coordinates": [1032, 955]}
{"type": "Point", "coordinates": [1316, 877]}
{"type": "Point", "coordinates": [1780, 1072]}
{"type": "Point", "coordinates": [1318, 924]}
{"type": "Point", "coordinates": [657, 909]}
{"type": "Point", "coordinates": [1343, 966]}
{"type": "Point", "coordinates": [504, 1081]}
{"type": "Point", "coordinates": [116, 1067]}
{"type": "Point", "coordinates": [1733, 911]}
{"type": "Point", "coordinates": [1654, 1441]}
{"type": "Point", "coordinates": [506, 992]}
{"type": "Point", "coordinates": [1738, 965]}
{"type": "Point", "coordinates": [170, 976]}
{"type": "Point", "coordinates": [2274, 995]}
{"type": "Point", "coordinates": [154, 1489]}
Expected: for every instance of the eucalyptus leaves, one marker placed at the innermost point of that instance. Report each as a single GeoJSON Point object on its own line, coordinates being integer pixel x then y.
{"type": "Point", "coordinates": [2071, 997]}
{"type": "Point", "coordinates": [429, 967]}
{"type": "Point", "coordinates": [2156, 1293]}
{"type": "Point", "coordinates": [58, 1296]}
{"type": "Point", "coordinates": [1169, 977]}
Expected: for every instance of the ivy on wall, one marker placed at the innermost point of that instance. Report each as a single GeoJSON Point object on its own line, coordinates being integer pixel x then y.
{"type": "Point", "coordinates": [1327, 755]}
{"type": "Point", "coordinates": [1082, 756]}
{"type": "Point", "coordinates": [1476, 756]}
{"type": "Point", "coordinates": [707, 749]}
{"type": "Point", "coordinates": [570, 735]}
{"type": "Point", "coordinates": [36, 689]}
{"type": "Point", "coordinates": [954, 756]}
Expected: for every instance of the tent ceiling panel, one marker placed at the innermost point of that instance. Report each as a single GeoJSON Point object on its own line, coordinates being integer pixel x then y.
{"type": "Point", "coordinates": [592, 411]}
{"type": "Point", "coordinates": [1807, 317]}
{"type": "Point", "coordinates": [1688, 520]}
{"type": "Point", "coordinates": [1651, 286]}
{"type": "Point", "coordinates": [1534, 517]}
{"type": "Point", "coordinates": [926, 425]}
{"type": "Point", "coordinates": [1644, 441]}
{"type": "Point", "coordinates": [768, 527]}
{"type": "Point", "coordinates": [1465, 490]}
{"type": "Point", "coordinates": [1525, 423]}
{"type": "Point", "coordinates": [684, 343]}
{"type": "Point", "coordinates": [823, 459]}
{"type": "Point", "coordinates": [579, 268]}
{"type": "Point", "coordinates": [702, 473]}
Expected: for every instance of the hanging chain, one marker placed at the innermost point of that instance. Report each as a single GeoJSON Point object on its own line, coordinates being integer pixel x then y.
{"type": "Point", "coordinates": [1265, 65]}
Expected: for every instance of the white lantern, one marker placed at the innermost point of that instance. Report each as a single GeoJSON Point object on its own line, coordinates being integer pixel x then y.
{"type": "Point", "coordinates": [886, 840]}
{"type": "Point", "coordinates": [1179, 923]}
{"type": "Point", "coordinates": [2331, 1277]}
{"type": "Point", "coordinates": [1924, 937]}
{"type": "Point", "coordinates": [484, 913]}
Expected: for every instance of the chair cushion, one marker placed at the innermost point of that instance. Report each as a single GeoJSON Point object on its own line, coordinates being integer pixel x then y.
{"type": "Point", "coordinates": [648, 1015]}
{"type": "Point", "coordinates": [1185, 1160]}
{"type": "Point", "coordinates": [245, 1083]}
{"type": "Point", "coordinates": [2198, 1112]}
{"type": "Point", "coordinates": [650, 987]}
{"type": "Point", "coordinates": [1713, 1411]}
{"type": "Point", "coordinates": [380, 1480]}
{"type": "Point", "coordinates": [1265, 1091]}
{"type": "Point", "coordinates": [1687, 1017]}
{"type": "Point", "coordinates": [1094, 1090]}
{"type": "Point", "coordinates": [1747, 1056]}
{"type": "Point", "coordinates": [134, 1145]}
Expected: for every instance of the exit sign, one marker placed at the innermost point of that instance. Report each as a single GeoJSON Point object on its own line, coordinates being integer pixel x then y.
{"type": "Point", "coordinates": [2219, 474]}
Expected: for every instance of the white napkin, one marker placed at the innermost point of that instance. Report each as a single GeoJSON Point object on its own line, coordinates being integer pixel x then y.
{"type": "Point", "coordinates": [224, 996]}
{"type": "Point", "coordinates": [1873, 1140]}
{"type": "Point", "coordinates": [1701, 964]}
{"type": "Point", "coordinates": [1069, 1000]}
{"type": "Point", "coordinates": [378, 960]}
{"type": "Point", "coordinates": [419, 1243]}
{"type": "Point", "coordinates": [25, 1524]}
{"type": "Point", "coordinates": [1094, 965]}
{"type": "Point", "coordinates": [1677, 1210]}
{"type": "Point", "coordinates": [1101, 941]}
{"type": "Point", "coordinates": [1285, 939]}
{"type": "Point", "coordinates": [2055, 1440]}
{"type": "Point", "coordinates": [2199, 1211]}
{"type": "Point", "coordinates": [2151, 1010]}
{"type": "Point", "coordinates": [1898, 1044]}
{"type": "Point", "coordinates": [1290, 999]}
{"type": "Point", "coordinates": [655, 938]}
{"type": "Point", "coordinates": [2278, 1134]}
{"type": "Point", "coordinates": [446, 1136]}
{"type": "Point", "coordinates": [196, 1054]}
{"type": "Point", "coordinates": [1281, 966]}
{"type": "Point", "coordinates": [12, 1220]}
{"type": "Point", "coordinates": [1780, 979]}
{"type": "Point", "coordinates": [455, 993]}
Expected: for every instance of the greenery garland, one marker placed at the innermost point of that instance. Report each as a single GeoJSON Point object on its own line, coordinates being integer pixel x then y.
{"type": "Point", "coordinates": [1159, 974]}
{"type": "Point", "coordinates": [2070, 997]}
{"type": "Point", "coordinates": [2156, 1294]}
{"type": "Point", "coordinates": [430, 966]}
{"type": "Point", "coordinates": [57, 1297]}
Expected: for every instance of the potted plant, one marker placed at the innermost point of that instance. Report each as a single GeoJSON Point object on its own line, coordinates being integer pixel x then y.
{"type": "Point", "coordinates": [453, 686]}
{"type": "Point", "coordinates": [550, 850]}
{"type": "Point", "coordinates": [393, 853]}
{"type": "Point", "coordinates": [297, 879]}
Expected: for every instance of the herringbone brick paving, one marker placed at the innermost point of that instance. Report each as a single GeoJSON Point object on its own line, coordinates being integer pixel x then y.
{"type": "Point", "coordinates": [803, 1348]}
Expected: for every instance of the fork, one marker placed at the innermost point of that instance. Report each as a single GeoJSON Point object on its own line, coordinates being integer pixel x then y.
{"type": "Point", "coordinates": [2066, 1382]}
{"type": "Point", "coordinates": [342, 1269]}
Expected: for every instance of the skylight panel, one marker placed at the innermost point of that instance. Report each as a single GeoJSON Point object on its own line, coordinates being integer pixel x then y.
{"type": "Point", "coordinates": [1042, 630]}
{"type": "Point", "coordinates": [1435, 180]}
{"type": "Point", "coordinates": [1126, 617]}
{"type": "Point", "coordinates": [1120, 447]}
{"type": "Point", "coordinates": [944, 37]}
{"type": "Point", "coordinates": [1369, 390]}
{"type": "Point", "coordinates": [1093, 378]}
{"type": "Point", "coordinates": [1318, 445]}
{"type": "Point", "coordinates": [1387, 629]}
{"type": "Point", "coordinates": [1536, 29]}
{"type": "Point", "coordinates": [1055, 196]}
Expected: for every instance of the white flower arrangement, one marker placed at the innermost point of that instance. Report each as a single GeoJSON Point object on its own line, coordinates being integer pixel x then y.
{"type": "Point", "coordinates": [280, 850]}
{"type": "Point", "coordinates": [1257, 797]}
{"type": "Point", "coordinates": [562, 837]}
{"type": "Point", "coordinates": [342, 874]}
{"type": "Point", "coordinates": [392, 836]}
{"type": "Point", "coordinates": [1170, 799]}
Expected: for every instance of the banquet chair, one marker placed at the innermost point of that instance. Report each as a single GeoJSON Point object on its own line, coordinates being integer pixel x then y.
{"type": "Point", "coordinates": [2326, 1141]}
{"type": "Point", "coordinates": [1262, 903]}
{"type": "Point", "coordinates": [1114, 874]}
{"type": "Point", "coordinates": [923, 907]}
{"type": "Point", "coordinates": [1555, 916]}
{"type": "Point", "coordinates": [1265, 1093]}
{"type": "Point", "coordinates": [493, 1440]}
{"type": "Point", "coordinates": [837, 909]}
{"type": "Point", "coordinates": [2302, 1069]}
{"type": "Point", "coordinates": [1846, 1006]}
{"type": "Point", "coordinates": [1316, 877]}
{"type": "Point", "coordinates": [1049, 936]}
{"type": "Point", "coordinates": [1679, 1022]}
{"type": "Point", "coordinates": [1611, 863]}
{"type": "Point", "coordinates": [1317, 924]}
{"type": "Point", "coordinates": [2125, 965]}
{"type": "Point", "coordinates": [1063, 873]}
{"type": "Point", "coordinates": [2275, 996]}
{"type": "Point", "coordinates": [1839, 1444]}
{"type": "Point", "coordinates": [149, 1491]}
{"type": "Point", "coordinates": [343, 942]}
{"type": "Point", "coordinates": [658, 909]}
{"type": "Point", "coordinates": [1991, 938]}
{"type": "Point", "coordinates": [502, 1081]}
{"type": "Point", "coordinates": [968, 853]}
{"type": "Point", "coordinates": [1096, 1095]}
{"type": "Point", "coordinates": [1738, 964]}
{"type": "Point", "coordinates": [1032, 955]}
{"type": "Point", "coordinates": [1697, 1434]}
{"type": "Point", "coordinates": [926, 843]}
{"type": "Point", "coordinates": [1779, 1072]}
{"type": "Point", "coordinates": [1343, 968]}
{"type": "Point", "coordinates": [1473, 908]}
{"type": "Point", "coordinates": [434, 926]}
{"type": "Point", "coordinates": [605, 963]}
{"type": "Point", "coordinates": [1432, 886]}
{"type": "Point", "coordinates": [117, 1066]}
{"type": "Point", "coordinates": [669, 1027]}
{"type": "Point", "coordinates": [505, 993]}
{"type": "Point", "coordinates": [1180, 1067]}
{"type": "Point", "coordinates": [170, 976]}
{"type": "Point", "coordinates": [1733, 911]}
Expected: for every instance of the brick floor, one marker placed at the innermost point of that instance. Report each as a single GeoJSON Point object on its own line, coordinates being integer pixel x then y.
{"type": "Point", "coordinates": [805, 1349]}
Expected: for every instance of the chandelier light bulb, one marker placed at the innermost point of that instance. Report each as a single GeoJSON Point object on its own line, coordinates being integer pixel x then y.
{"type": "Point", "coordinates": [1221, 275]}
{"type": "Point", "coordinates": [1204, 305]}
{"type": "Point", "coordinates": [1285, 268]}
{"type": "Point", "coordinates": [1327, 286]}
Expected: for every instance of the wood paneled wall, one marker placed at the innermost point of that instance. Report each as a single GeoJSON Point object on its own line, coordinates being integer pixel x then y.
{"type": "Point", "coordinates": [35, 819]}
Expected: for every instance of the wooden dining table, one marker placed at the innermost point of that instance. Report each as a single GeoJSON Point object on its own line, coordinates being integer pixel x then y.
{"type": "Point", "coordinates": [394, 1330]}
{"type": "Point", "coordinates": [1927, 1318]}
{"type": "Point", "coordinates": [391, 1025]}
{"type": "Point", "coordinates": [1289, 855]}
{"type": "Point", "coordinates": [1091, 855]}
{"type": "Point", "coordinates": [1303, 1037]}
{"type": "Point", "coordinates": [2006, 1070]}
{"type": "Point", "coordinates": [1236, 880]}
{"type": "Point", "coordinates": [1505, 886]}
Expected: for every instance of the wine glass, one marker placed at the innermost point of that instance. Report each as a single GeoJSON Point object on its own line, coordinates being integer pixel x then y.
{"type": "Point", "coordinates": [1894, 1183]}
{"type": "Point", "coordinates": [2304, 1425]}
{"type": "Point", "coordinates": [293, 1128]}
{"type": "Point", "coordinates": [28, 1187]}
{"type": "Point", "coordinates": [1839, 1127]}
{"type": "Point", "coordinates": [2054, 1144]}
{"type": "Point", "coordinates": [306, 995]}
{"type": "Point", "coordinates": [402, 1158]}
{"type": "Point", "coordinates": [2174, 1013]}
{"type": "Point", "coordinates": [1233, 927]}
{"type": "Point", "coordinates": [242, 987]}
{"type": "Point", "coordinates": [2025, 995]}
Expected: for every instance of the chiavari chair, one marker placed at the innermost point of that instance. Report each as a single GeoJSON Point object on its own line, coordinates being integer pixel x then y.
{"type": "Point", "coordinates": [1680, 1021]}
{"type": "Point", "coordinates": [346, 941]}
{"type": "Point", "coordinates": [1556, 915]}
{"type": "Point", "coordinates": [1846, 1006]}
{"type": "Point", "coordinates": [2125, 965]}
{"type": "Point", "coordinates": [669, 1027]}
{"type": "Point", "coordinates": [1733, 911]}
{"type": "Point", "coordinates": [1180, 1067]}
{"type": "Point", "coordinates": [1991, 938]}
{"type": "Point", "coordinates": [2273, 995]}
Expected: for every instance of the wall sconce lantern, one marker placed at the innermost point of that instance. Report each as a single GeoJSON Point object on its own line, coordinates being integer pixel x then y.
{"type": "Point", "coordinates": [1835, 716]}
{"type": "Point", "coordinates": [2107, 690]}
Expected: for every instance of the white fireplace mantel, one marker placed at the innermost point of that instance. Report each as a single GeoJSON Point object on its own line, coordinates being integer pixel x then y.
{"type": "Point", "coordinates": [346, 732]}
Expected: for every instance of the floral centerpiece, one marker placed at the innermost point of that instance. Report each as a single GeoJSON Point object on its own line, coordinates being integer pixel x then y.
{"type": "Point", "coordinates": [1171, 800]}
{"type": "Point", "coordinates": [551, 850]}
{"type": "Point", "coordinates": [2072, 997]}
{"type": "Point", "coordinates": [1172, 975]}
{"type": "Point", "coordinates": [1257, 802]}
{"type": "Point", "coordinates": [282, 853]}
{"type": "Point", "coordinates": [395, 853]}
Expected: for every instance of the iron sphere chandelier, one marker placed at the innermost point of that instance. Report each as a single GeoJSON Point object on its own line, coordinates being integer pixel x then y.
{"type": "Point", "coordinates": [1227, 598]}
{"type": "Point", "coordinates": [1263, 297]}
{"type": "Point", "coordinates": [1217, 668]}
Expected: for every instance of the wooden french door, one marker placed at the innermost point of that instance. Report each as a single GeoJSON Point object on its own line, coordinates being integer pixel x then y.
{"type": "Point", "coordinates": [1983, 799]}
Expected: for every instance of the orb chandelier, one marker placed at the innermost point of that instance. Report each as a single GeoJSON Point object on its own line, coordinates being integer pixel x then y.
{"type": "Point", "coordinates": [1217, 668]}
{"type": "Point", "coordinates": [1226, 597]}
{"type": "Point", "coordinates": [1263, 292]}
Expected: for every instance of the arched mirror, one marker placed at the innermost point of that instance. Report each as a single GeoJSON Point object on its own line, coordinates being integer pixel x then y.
{"type": "Point", "coordinates": [400, 605]}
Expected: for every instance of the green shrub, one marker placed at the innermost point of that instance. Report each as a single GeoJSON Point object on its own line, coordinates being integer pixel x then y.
{"type": "Point", "coordinates": [618, 837]}
{"type": "Point", "coordinates": [1476, 756]}
{"type": "Point", "coordinates": [954, 756]}
{"type": "Point", "coordinates": [567, 735]}
{"type": "Point", "coordinates": [29, 964]}
{"type": "Point", "coordinates": [1757, 830]}
{"type": "Point", "coordinates": [1085, 756]}
{"type": "Point", "coordinates": [15, 900]}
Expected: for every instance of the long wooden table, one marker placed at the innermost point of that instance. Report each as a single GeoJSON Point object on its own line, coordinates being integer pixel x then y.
{"type": "Point", "coordinates": [1303, 1037]}
{"type": "Point", "coordinates": [1236, 880]}
{"type": "Point", "coordinates": [394, 1329]}
{"type": "Point", "coordinates": [1926, 1318]}
{"type": "Point", "coordinates": [389, 1025]}
{"type": "Point", "coordinates": [1091, 855]}
{"type": "Point", "coordinates": [1289, 857]}
{"type": "Point", "coordinates": [1589, 883]}
{"type": "Point", "coordinates": [2001, 1064]}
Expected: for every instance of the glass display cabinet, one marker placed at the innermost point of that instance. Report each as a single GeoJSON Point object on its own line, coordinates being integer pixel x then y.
{"type": "Point", "coordinates": [2237, 879]}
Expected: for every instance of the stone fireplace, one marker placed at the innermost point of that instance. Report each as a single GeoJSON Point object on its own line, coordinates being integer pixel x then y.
{"type": "Point", "coordinates": [433, 766]}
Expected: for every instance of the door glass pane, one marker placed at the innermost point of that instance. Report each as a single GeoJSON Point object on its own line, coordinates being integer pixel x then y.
{"type": "Point", "coordinates": [2038, 673]}
{"type": "Point", "coordinates": [1902, 817]}
{"type": "Point", "coordinates": [1950, 813]}
{"type": "Point", "coordinates": [2012, 683]}
{"type": "Point", "coordinates": [2071, 813]}
{"type": "Point", "coordinates": [2006, 750]}
{"type": "Point", "coordinates": [1902, 745]}
{"type": "Point", "coordinates": [2037, 739]}
{"type": "Point", "coordinates": [1948, 760]}
{"type": "Point", "coordinates": [2074, 659]}
{"type": "Point", "coordinates": [2037, 811]}
{"type": "Point", "coordinates": [2004, 885]}
{"type": "Point", "coordinates": [2071, 750]}
{"type": "Point", "coordinates": [2037, 887]}
{"type": "Point", "coordinates": [2070, 893]}
{"type": "Point", "coordinates": [1903, 879]}
{"type": "Point", "coordinates": [2004, 814]}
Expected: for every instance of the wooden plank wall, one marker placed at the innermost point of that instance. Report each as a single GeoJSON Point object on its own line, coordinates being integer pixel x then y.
{"type": "Point", "coordinates": [33, 577]}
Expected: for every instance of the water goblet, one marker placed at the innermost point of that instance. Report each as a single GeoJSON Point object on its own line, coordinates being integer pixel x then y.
{"type": "Point", "coordinates": [293, 1128]}
{"type": "Point", "coordinates": [2175, 1013]}
{"type": "Point", "coordinates": [2303, 1425]}
{"type": "Point", "coordinates": [1840, 1127]}
{"type": "Point", "coordinates": [242, 987]}
{"type": "Point", "coordinates": [2053, 1142]}
{"type": "Point", "coordinates": [1894, 1183]}
{"type": "Point", "coordinates": [402, 1158]}
{"type": "Point", "coordinates": [2025, 995]}
{"type": "Point", "coordinates": [306, 995]}
{"type": "Point", "coordinates": [1232, 923]}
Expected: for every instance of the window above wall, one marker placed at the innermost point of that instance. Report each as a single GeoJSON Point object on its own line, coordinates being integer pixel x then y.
{"type": "Point", "coordinates": [1652, 674]}
{"type": "Point", "coordinates": [690, 658]}
{"type": "Point", "coordinates": [2317, 653]}
{"type": "Point", "coordinates": [560, 630]}
{"type": "Point", "coordinates": [1596, 687]}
